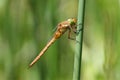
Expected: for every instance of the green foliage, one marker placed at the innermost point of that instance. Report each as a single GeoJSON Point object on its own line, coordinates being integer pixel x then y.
{"type": "Point", "coordinates": [26, 26]}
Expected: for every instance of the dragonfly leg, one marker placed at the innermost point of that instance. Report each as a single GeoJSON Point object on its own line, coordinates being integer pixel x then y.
{"type": "Point", "coordinates": [77, 31]}
{"type": "Point", "coordinates": [69, 36]}
{"type": "Point", "coordinates": [74, 29]}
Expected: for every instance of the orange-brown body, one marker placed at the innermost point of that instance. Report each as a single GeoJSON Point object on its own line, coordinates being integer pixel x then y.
{"type": "Point", "coordinates": [61, 29]}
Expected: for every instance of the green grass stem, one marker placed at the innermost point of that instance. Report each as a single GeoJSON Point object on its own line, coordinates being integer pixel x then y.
{"type": "Point", "coordinates": [79, 37]}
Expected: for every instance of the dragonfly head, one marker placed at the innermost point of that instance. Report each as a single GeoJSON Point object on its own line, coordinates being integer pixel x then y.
{"type": "Point", "coordinates": [72, 21]}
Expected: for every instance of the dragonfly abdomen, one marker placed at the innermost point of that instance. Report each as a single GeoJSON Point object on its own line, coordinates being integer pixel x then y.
{"type": "Point", "coordinates": [43, 51]}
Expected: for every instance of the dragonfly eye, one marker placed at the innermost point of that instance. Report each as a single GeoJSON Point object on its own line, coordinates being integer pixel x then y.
{"type": "Point", "coordinates": [72, 21]}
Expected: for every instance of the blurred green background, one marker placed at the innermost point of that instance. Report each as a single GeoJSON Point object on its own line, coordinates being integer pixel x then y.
{"type": "Point", "coordinates": [27, 25]}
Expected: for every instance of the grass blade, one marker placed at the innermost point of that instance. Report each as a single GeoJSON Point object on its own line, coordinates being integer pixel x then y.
{"type": "Point", "coordinates": [79, 37]}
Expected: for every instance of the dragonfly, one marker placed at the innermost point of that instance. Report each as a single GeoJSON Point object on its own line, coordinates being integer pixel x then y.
{"type": "Point", "coordinates": [68, 25]}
